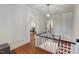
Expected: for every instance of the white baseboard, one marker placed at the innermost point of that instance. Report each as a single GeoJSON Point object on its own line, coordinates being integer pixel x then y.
{"type": "Point", "coordinates": [19, 44]}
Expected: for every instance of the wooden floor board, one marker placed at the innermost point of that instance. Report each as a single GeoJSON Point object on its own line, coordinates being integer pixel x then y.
{"type": "Point", "coordinates": [30, 48]}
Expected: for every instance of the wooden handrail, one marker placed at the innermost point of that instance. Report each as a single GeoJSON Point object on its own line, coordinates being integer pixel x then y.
{"type": "Point", "coordinates": [54, 38]}
{"type": "Point", "coordinates": [47, 37]}
{"type": "Point", "coordinates": [68, 41]}
{"type": "Point", "coordinates": [41, 33]}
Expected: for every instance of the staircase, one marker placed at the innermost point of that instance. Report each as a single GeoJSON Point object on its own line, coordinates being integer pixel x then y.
{"type": "Point", "coordinates": [53, 43]}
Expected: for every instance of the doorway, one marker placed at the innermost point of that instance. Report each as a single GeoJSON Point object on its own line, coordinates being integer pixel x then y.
{"type": "Point", "coordinates": [50, 27]}
{"type": "Point", "coordinates": [32, 29]}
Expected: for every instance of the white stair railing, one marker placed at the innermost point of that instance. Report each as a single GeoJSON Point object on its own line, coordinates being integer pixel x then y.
{"type": "Point", "coordinates": [53, 44]}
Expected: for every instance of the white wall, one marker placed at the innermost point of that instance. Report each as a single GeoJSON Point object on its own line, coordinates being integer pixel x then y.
{"type": "Point", "coordinates": [15, 25]}
{"type": "Point", "coordinates": [40, 20]}
{"type": "Point", "coordinates": [41, 23]}
{"type": "Point", "coordinates": [76, 22]}
{"type": "Point", "coordinates": [76, 27]}
{"type": "Point", "coordinates": [63, 24]}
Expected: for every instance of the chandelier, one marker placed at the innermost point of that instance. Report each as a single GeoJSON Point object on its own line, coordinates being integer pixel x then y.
{"type": "Point", "coordinates": [48, 13]}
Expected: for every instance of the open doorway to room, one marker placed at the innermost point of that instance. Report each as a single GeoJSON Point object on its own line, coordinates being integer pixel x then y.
{"type": "Point", "coordinates": [50, 27]}
{"type": "Point", "coordinates": [33, 22]}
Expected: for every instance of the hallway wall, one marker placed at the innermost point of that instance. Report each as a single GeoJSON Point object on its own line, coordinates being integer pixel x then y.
{"type": "Point", "coordinates": [40, 19]}
{"type": "Point", "coordinates": [14, 24]}
{"type": "Point", "coordinates": [63, 24]}
{"type": "Point", "coordinates": [76, 28]}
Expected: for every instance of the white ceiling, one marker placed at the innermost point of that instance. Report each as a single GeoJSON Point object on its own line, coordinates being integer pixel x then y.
{"type": "Point", "coordinates": [54, 8]}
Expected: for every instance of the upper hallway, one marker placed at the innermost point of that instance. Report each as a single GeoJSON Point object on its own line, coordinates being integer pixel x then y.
{"type": "Point", "coordinates": [16, 21]}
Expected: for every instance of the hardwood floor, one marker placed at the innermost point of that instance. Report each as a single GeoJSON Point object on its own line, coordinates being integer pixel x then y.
{"type": "Point", "coordinates": [30, 48]}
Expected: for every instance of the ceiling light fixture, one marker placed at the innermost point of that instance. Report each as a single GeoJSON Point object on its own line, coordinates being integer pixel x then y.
{"type": "Point", "coordinates": [48, 14]}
